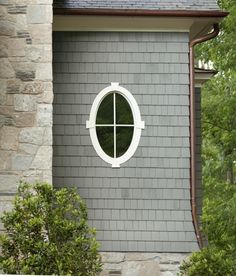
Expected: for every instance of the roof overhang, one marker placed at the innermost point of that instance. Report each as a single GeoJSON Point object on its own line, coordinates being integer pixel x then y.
{"type": "Point", "coordinates": [203, 75]}
{"type": "Point", "coordinates": [196, 23]}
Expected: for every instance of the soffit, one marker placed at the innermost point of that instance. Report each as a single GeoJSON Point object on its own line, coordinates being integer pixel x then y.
{"type": "Point", "coordinates": [196, 26]}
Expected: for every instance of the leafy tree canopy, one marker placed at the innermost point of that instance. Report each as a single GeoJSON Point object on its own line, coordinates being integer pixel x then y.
{"type": "Point", "coordinates": [219, 99]}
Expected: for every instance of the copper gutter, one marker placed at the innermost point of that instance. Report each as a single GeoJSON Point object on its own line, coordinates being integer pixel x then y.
{"type": "Point", "coordinates": [192, 43]}
{"type": "Point", "coordinates": [138, 12]}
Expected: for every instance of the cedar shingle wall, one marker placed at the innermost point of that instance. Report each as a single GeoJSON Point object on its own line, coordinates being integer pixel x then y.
{"type": "Point", "coordinates": [145, 204]}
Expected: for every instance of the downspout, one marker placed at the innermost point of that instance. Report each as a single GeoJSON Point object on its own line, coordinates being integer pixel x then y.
{"type": "Point", "coordinates": [192, 43]}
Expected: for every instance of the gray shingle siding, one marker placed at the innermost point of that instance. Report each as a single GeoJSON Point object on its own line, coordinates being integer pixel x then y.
{"type": "Point", "coordinates": [143, 4]}
{"type": "Point", "coordinates": [145, 204]}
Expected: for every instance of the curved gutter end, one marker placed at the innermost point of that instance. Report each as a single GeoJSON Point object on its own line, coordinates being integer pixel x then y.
{"type": "Point", "coordinates": [214, 33]}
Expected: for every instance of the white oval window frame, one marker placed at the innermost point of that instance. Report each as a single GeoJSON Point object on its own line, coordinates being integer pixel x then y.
{"type": "Point", "coordinates": [138, 124]}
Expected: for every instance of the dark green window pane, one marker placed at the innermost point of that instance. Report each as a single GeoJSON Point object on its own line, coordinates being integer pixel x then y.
{"type": "Point", "coordinates": [124, 137]}
{"type": "Point", "coordinates": [105, 112]}
{"type": "Point", "coordinates": [123, 111]}
{"type": "Point", "coordinates": [106, 139]}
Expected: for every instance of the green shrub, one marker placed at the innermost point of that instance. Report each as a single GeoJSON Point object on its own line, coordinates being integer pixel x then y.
{"type": "Point", "coordinates": [219, 226]}
{"type": "Point", "coordinates": [210, 261]}
{"type": "Point", "coordinates": [47, 233]}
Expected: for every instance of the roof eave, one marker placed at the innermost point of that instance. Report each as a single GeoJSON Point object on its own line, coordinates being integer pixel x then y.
{"type": "Point", "coordinates": [203, 75]}
{"type": "Point", "coordinates": [140, 12]}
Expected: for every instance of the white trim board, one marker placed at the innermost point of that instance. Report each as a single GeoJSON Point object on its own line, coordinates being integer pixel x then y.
{"type": "Point", "coordinates": [196, 26]}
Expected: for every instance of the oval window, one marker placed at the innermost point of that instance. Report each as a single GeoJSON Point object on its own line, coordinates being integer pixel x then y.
{"type": "Point", "coordinates": [115, 124]}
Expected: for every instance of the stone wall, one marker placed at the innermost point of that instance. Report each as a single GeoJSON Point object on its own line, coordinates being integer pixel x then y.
{"type": "Point", "coordinates": [25, 94]}
{"type": "Point", "coordinates": [141, 264]}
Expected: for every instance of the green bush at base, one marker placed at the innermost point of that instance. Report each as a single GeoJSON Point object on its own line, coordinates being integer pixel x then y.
{"type": "Point", "coordinates": [210, 261]}
{"type": "Point", "coordinates": [47, 233]}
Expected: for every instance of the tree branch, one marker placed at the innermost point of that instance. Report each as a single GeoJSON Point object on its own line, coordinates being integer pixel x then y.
{"type": "Point", "coordinates": [215, 125]}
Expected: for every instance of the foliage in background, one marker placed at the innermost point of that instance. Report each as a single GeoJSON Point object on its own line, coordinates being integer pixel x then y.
{"type": "Point", "coordinates": [219, 100]}
{"type": "Point", "coordinates": [218, 154]}
{"type": "Point", "coordinates": [47, 233]}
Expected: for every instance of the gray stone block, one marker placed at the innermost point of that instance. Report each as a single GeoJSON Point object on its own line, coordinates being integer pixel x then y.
{"type": "Point", "coordinates": [9, 183]}
{"type": "Point", "coordinates": [26, 75]}
{"type": "Point", "coordinates": [32, 135]}
{"type": "Point", "coordinates": [18, 9]}
{"type": "Point", "coordinates": [21, 162]}
{"type": "Point", "coordinates": [6, 70]}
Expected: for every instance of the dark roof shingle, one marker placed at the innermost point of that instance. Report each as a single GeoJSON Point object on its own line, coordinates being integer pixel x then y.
{"type": "Point", "coordinates": [142, 4]}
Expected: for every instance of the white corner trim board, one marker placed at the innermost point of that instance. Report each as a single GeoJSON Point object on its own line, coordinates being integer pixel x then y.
{"type": "Point", "coordinates": [137, 125]}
